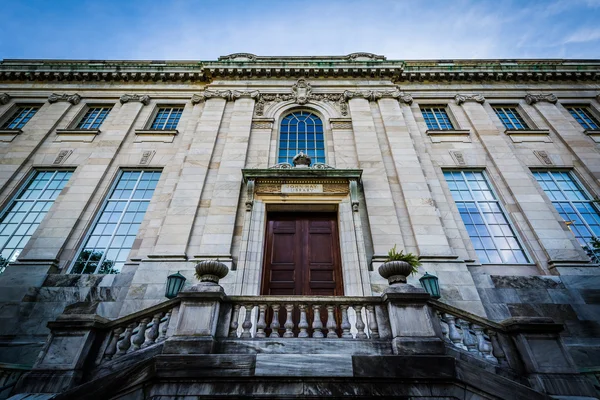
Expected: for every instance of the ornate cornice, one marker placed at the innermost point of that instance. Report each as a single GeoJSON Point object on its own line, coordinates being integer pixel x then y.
{"type": "Point", "coordinates": [535, 98]}
{"type": "Point", "coordinates": [71, 98]}
{"type": "Point", "coordinates": [4, 98]}
{"type": "Point", "coordinates": [144, 99]}
{"type": "Point", "coordinates": [224, 94]}
{"type": "Point", "coordinates": [462, 98]}
{"type": "Point", "coordinates": [374, 95]}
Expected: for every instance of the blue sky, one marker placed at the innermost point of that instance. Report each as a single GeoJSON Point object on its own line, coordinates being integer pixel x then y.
{"type": "Point", "coordinates": [204, 30]}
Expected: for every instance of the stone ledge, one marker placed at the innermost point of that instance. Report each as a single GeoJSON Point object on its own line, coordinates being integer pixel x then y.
{"type": "Point", "coordinates": [7, 135]}
{"type": "Point", "coordinates": [449, 135]}
{"type": "Point", "coordinates": [529, 135]}
{"type": "Point", "coordinates": [76, 135]}
{"type": "Point", "coordinates": [594, 134]}
{"type": "Point", "coordinates": [155, 135]}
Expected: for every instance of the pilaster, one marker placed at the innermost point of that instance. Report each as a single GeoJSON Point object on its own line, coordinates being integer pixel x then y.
{"type": "Point", "coordinates": [383, 220]}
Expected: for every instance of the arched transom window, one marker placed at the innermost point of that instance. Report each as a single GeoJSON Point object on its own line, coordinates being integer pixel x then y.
{"type": "Point", "coordinates": [301, 131]}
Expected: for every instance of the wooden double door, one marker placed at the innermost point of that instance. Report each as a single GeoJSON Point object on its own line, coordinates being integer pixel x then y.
{"type": "Point", "coordinates": [302, 255]}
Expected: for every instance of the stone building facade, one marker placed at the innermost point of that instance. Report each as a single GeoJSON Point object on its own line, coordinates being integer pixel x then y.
{"type": "Point", "coordinates": [116, 174]}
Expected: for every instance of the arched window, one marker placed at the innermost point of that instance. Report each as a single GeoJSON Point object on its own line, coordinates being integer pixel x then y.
{"type": "Point", "coordinates": [301, 131]}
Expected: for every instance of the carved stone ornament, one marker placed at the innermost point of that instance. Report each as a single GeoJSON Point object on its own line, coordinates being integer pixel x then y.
{"type": "Point", "coordinates": [286, 165]}
{"type": "Point", "coordinates": [462, 98]}
{"type": "Point", "coordinates": [374, 95]}
{"type": "Point", "coordinates": [395, 271]}
{"type": "Point", "coordinates": [71, 98]}
{"type": "Point", "coordinates": [238, 57]}
{"type": "Point", "coordinates": [62, 156]}
{"type": "Point", "coordinates": [4, 98]}
{"type": "Point", "coordinates": [301, 160]}
{"type": "Point", "coordinates": [224, 94]}
{"type": "Point", "coordinates": [211, 271]}
{"type": "Point", "coordinates": [301, 93]}
{"type": "Point", "coordinates": [535, 98]}
{"type": "Point", "coordinates": [144, 99]}
{"type": "Point", "coordinates": [250, 193]}
{"type": "Point", "coordinates": [543, 157]}
{"type": "Point", "coordinates": [365, 57]}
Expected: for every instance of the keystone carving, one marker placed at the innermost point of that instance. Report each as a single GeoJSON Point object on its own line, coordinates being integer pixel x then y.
{"type": "Point", "coordinates": [144, 99]}
{"type": "Point", "coordinates": [71, 98]}
{"type": "Point", "coordinates": [462, 98]}
{"type": "Point", "coordinates": [535, 98]}
{"type": "Point", "coordinates": [4, 98]}
{"type": "Point", "coordinates": [301, 91]}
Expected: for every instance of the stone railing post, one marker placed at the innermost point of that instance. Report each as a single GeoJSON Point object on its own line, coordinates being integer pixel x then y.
{"type": "Point", "coordinates": [70, 344]}
{"type": "Point", "coordinates": [414, 327]}
{"type": "Point", "coordinates": [545, 357]}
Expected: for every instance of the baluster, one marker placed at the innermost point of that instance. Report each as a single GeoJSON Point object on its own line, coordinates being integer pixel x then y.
{"type": "Point", "coordinates": [482, 345]}
{"type": "Point", "coordinates": [331, 324]}
{"type": "Point", "coordinates": [453, 333]}
{"type": "Point", "coordinates": [111, 349]}
{"type": "Point", "coordinates": [140, 336]}
{"type": "Point", "coordinates": [164, 327]}
{"type": "Point", "coordinates": [317, 324]}
{"type": "Point", "coordinates": [497, 350]}
{"type": "Point", "coordinates": [247, 324]}
{"type": "Point", "coordinates": [345, 322]}
{"type": "Point", "coordinates": [153, 331]}
{"type": "Point", "coordinates": [373, 322]}
{"type": "Point", "coordinates": [275, 321]}
{"type": "Point", "coordinates": [125, 343]}
{"type": "Point", "coordinates": [261, 324]}
{"type": "Point", "coordinates": [444, 327]}
{"type": "Point", "coordinates": [360, 324]}
{"type": "Point", "coordinates": [233, 326]}
{"type": "Point", "coordinates": [303, 324]}
{"type": "Point", "coordinates": [469, 342]}
{"type": "Point", "coordinates": [289, 323]}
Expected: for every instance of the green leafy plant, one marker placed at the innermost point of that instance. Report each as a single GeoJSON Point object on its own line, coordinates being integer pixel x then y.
{"type": "Point", "coordinates": [410, 258]}
{"type": "Point", "coordinates": [593, 249]}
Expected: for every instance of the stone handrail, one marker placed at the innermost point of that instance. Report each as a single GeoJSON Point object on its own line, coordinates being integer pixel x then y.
{"type": "Point", "coordinates": [138, 330]}
{"type": "Point", "coordinates": [304, 317]}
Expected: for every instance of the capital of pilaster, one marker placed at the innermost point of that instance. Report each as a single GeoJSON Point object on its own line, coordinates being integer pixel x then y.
{"type": "Point", "coordinates": [535, 98]}
{"type": "Point", "coordinates": [4, 98]}
{"type": "Point", "coordinates": [144, 99]}
{"type": "Point", "coordinates": [370, 95]}
{"type": "Point", "coordinates": [463, 98]}
{"type": "Point", "coordinates": [71, 98]}
{"type": "Point", "coordinates": [212, 94]}
{"type": "Point", "coordinates": [252, 94]}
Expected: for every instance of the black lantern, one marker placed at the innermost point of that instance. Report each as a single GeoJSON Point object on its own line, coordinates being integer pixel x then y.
{"type": "Point", "coordinates": [430, 284]}
{"type": "Point", "coordinates": [175, 283]}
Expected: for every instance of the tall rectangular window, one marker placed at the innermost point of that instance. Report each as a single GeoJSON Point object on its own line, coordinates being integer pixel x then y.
{"type": "Point", "coordinates": [20, 117]}
{"type": "Point", "coordinates": [25, 212]}
{"type": "Point", "coordinates": [167, 118]}
{"type": "Point", "coordinates": [584, 117]}
{"type": "Point", "coordinates": [93, 118]}
{"type": "Point", "coordinates": [436, 118]}
{"type": "Point", "coordinates": [493, 238]}
{"type": "Point", "coordinates": [572, 203]}
{"type": "Point", "coordinates": [109, 242]}
{"type": "Point", "coordinates": [511, 119]}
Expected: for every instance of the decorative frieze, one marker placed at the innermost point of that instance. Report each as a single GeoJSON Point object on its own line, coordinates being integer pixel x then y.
{"type": "Point", "coordinates": [126, 98]}
{"type": "Point", "coordinates": [341, 124]}
{"type": "Point", "coordinates": [535, 98]}
{"type": "Point", "coordinates": [62, 156]}
{"type": "Point", "coordinates": [462, 98]}
{"type": "Point", "coordinates": [71, 98]}
{"type": "Point", "coordinates": [300, 187]}
{"type": "Point", "coordinates": [229, 95]}
{"type": "Point", "coordinates": [262, 124]}
{"type": "Point", "coordinates": [374, 95]}
{"type": "Point", "coordinates": [4, 98]}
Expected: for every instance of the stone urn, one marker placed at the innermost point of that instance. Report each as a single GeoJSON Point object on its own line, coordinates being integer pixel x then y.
{"type": "Point", "coordinates": [210, 271]}
{"type": "Point", "coordinates": [395, 271]}
{"type": "Point", "coordinates": [301, 160]}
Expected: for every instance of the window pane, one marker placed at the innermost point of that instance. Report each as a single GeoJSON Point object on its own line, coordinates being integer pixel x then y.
{"type": "Point", "coordinates": [302, 132]}
{"type": "Point", "coordinates": [21, 116]}
{"type": "Point", "coordinates": [585, 118]}
{"type": "Point", "coordinates": [572, 203]}
{"type": "Point", "coordinates": [492, 236]}
{"type": "Point", "coordinates": [436, 118]}
{"type": "Point", "coordinates": [167, 118]}
{"type": "Point", "coordinates": [93, 118]}
{"type": "Point", "coordinates": [510, 117]}
{"type": "Point", "coordinates": [106, 249]}
{"type": "Point", "coordinates": [24, 214]}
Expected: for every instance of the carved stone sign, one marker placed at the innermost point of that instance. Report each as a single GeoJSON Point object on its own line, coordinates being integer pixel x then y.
{"type": "Point", "coordinates": [293, 188]}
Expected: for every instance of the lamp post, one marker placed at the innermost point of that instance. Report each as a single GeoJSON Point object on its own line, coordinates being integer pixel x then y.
{"type": "Point", "coordinates": [175, 283]}
{"type": "Point", "coordinates": [431, 285]}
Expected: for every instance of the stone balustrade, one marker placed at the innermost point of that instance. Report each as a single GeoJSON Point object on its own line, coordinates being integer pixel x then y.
{"type": "Point", "coordinates": [138, 331]}
{"type": "Point", "coordinates": [305, 317]}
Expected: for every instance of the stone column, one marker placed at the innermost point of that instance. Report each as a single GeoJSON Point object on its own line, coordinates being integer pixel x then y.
{"type": "Point", "coordinates": [49, 239]}
{"type": "Point", "coordinates": [220, 220]}
{"type": "Point", "coordinates": [582, 147]}
{"type": "Point", "coordinates": [383, 220]}
{"type": "Point", "coordinates": [424, 216]}
{"type": "Point", "coordinates": [558, 243]}
{"type": "Point", "coordinates": [177, 226]}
